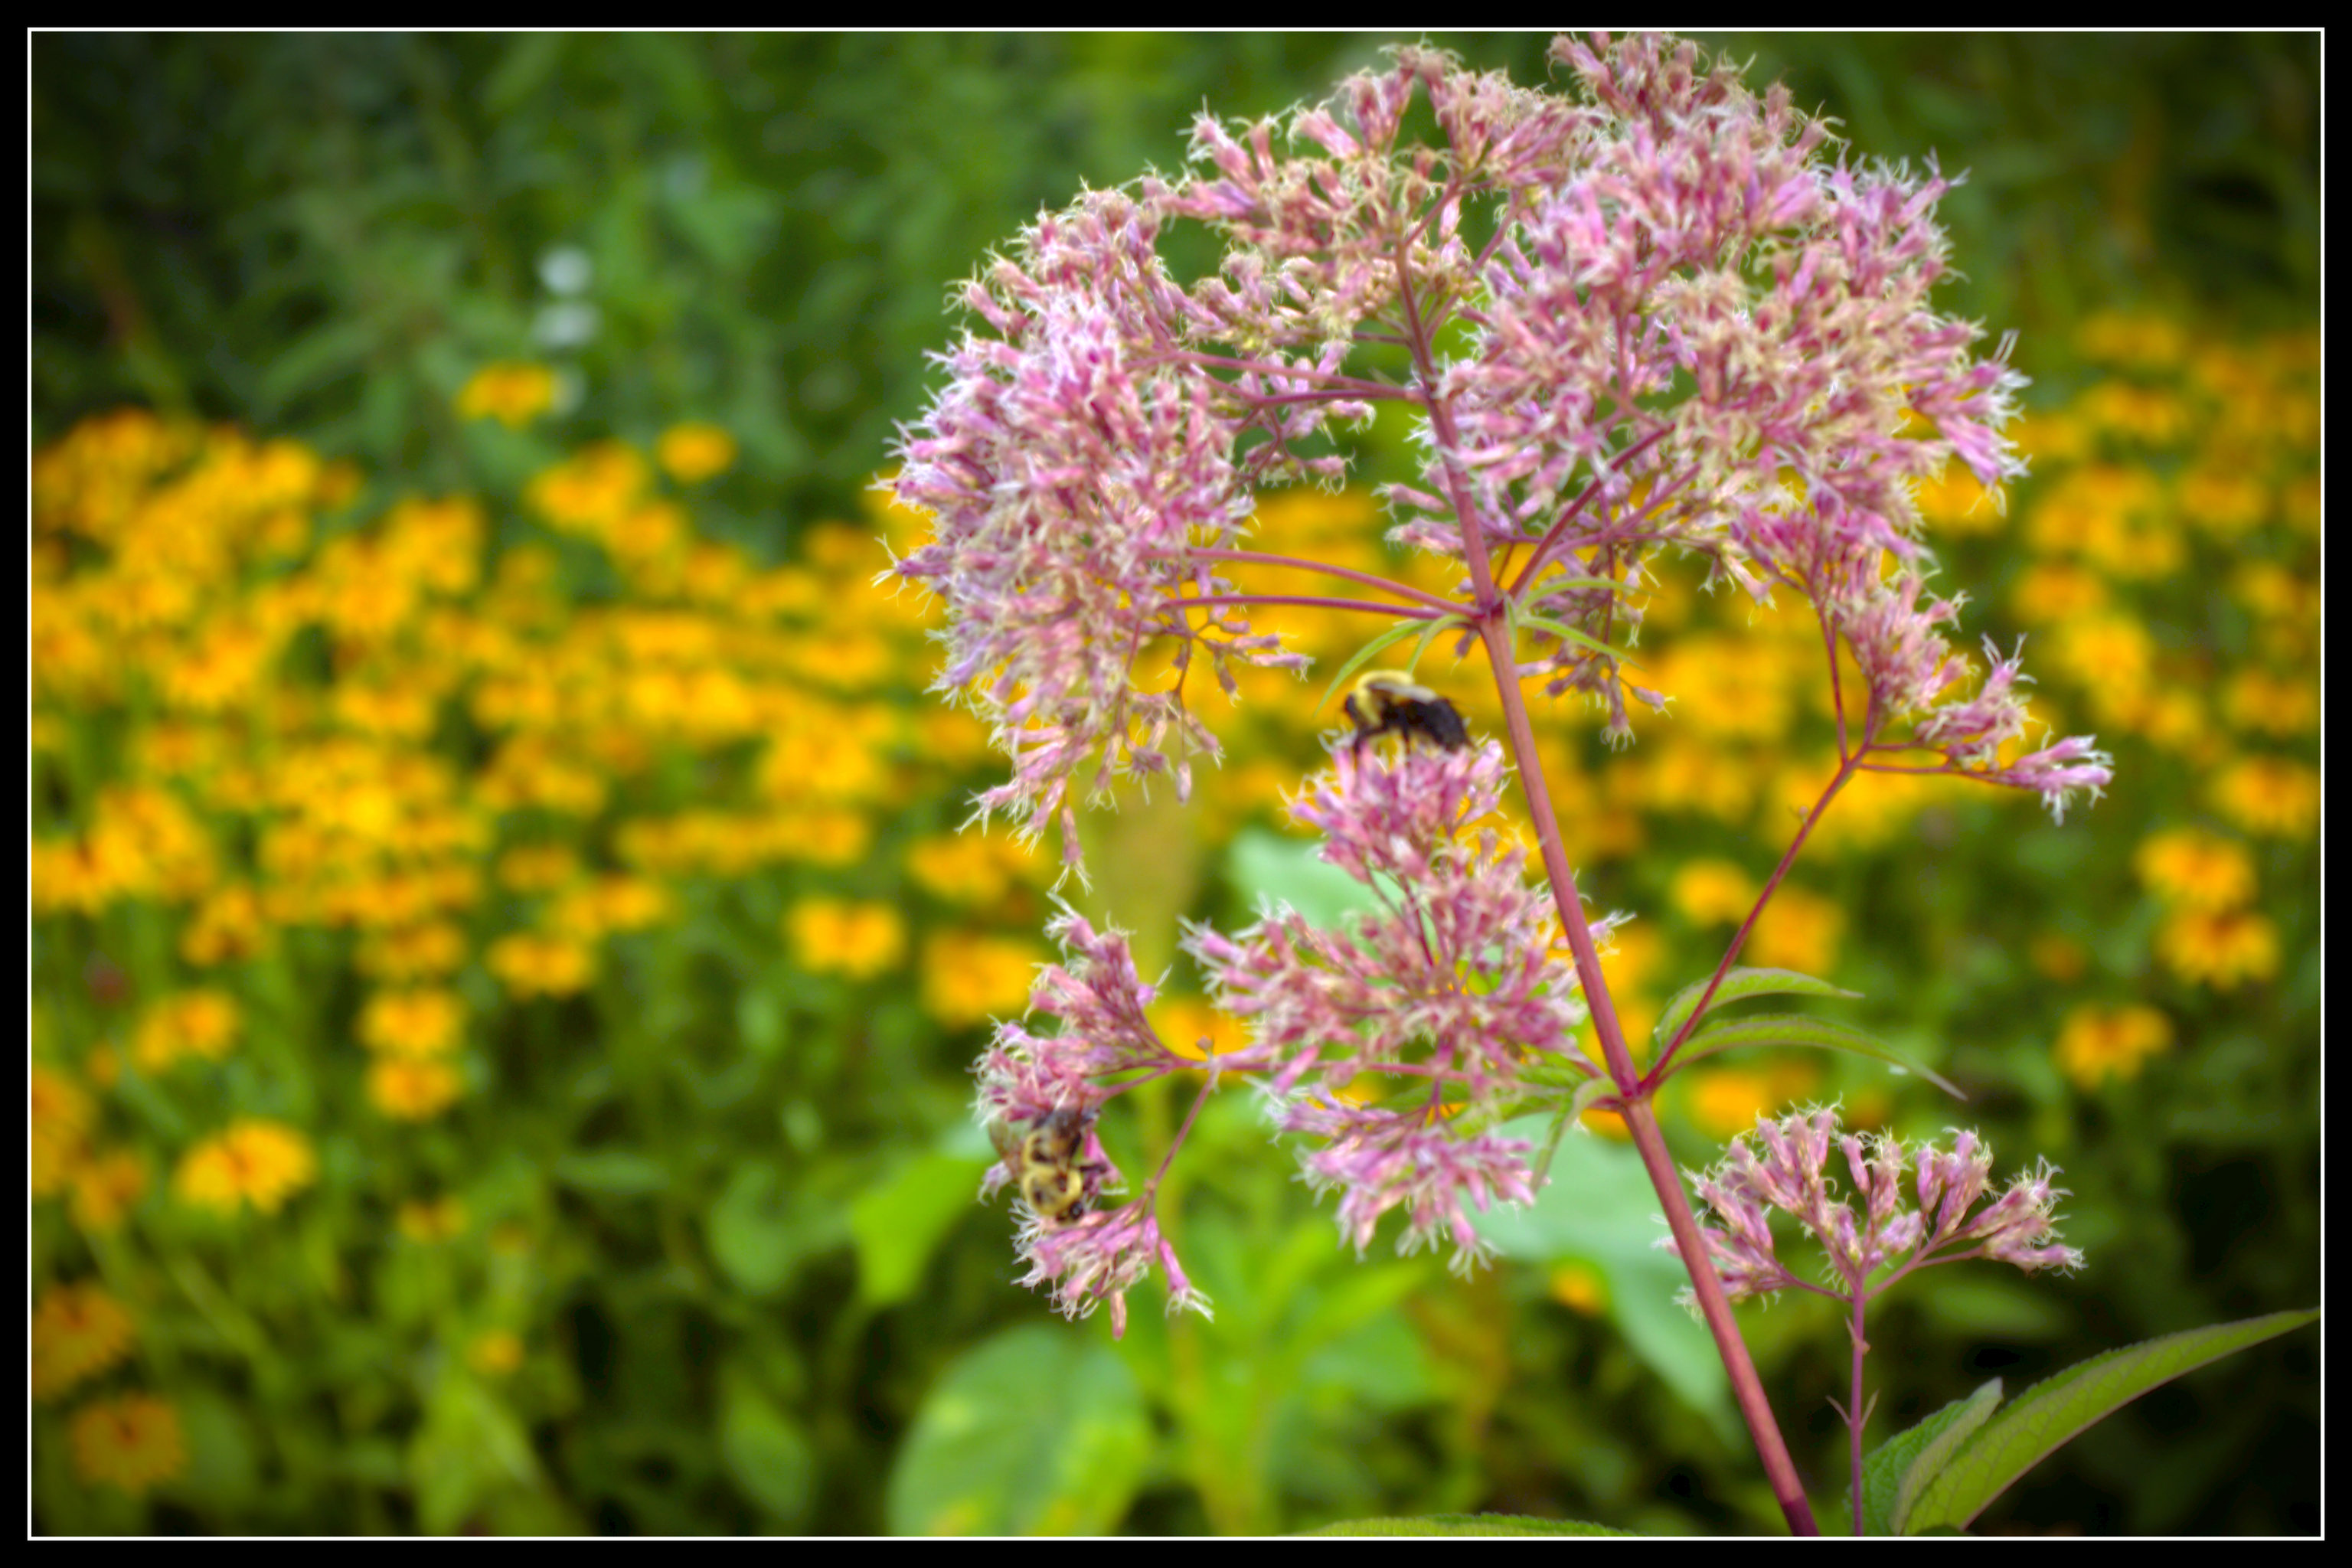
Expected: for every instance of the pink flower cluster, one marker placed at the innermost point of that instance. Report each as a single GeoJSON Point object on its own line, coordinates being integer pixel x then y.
{"type": "Point", "coordinates": [1784, 1165]}
{"type": "Point", "coordinates": [1400, 1038]}
{"type": "Point", "coordinates": [1027, 1079]}
{"type": "Point", "coordinates": [1683, 326]}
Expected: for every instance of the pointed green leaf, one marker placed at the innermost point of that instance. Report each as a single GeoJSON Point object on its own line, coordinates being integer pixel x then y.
{"type": "Point", "coordinates": [1801, 1029]}
{"type": "Point", "coordinates": [1566, 633]}
{"type": "Point", "coordinates": [1900, 1467]}
{"type": "Point", "coordinates": [2051, 1411]}
{"type": "Point", "coordinates": [1739, 986]}
{"type": "Point", "coordinates": [1038, 1431]}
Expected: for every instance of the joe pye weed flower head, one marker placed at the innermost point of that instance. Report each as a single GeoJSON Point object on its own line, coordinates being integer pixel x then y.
{"type": "Point", "coordinates": [1654, 314]}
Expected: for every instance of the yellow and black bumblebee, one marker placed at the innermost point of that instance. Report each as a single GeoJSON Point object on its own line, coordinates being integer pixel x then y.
{"type": "Point", "coordinates": [1044, 1158]}
{"type": "Point", "coordinates": [1391, 702]}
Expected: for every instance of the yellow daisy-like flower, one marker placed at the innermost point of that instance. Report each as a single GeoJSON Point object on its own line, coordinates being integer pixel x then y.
{"type": "Point", "coordinates": [2220, 948]}
{"type": "Point", "coordinates": [2195, 870]}
{"type": "Point", "coordinates": [834, 936]}
{"type": "Point", "coordinates": [411, 1088]}
{"type": "Point", "coordinates": [2279, 705]}
{"type": "Point", "coordinates": [414, 952]}
{"type": "Point", "coordinates": [1727, 1100]}
{"type": "Point", "coordinates": [105, 1186]}
{"type": "Point", "coordinates": [2269, 794]}
{"type": "Point", "coordinates": [510, 393]}
{"type": "Point", "coordinates": [191, 1024]}
{"type": "Point", "coordinates": [1192, 1028]}
{"type": "Point", "coordinates": [61, 1114]}
{"type": "Point", "coordinates": [1713, 892]}
{"type": "Point", "coordinates": [691, 453]}
{"type": "Point", "coordinates": [961, 867]}
{"type": "Point", "coordinates": [2099, 1041]}
{"type": "Point", "coordinates": [227, 925]}
{"type": "Point", "coordinates": [537, 868]}
{"type": "Point", "coordinates": [1799, 929]}
{"type": "Point", "coordinates": [591, 489]}
{"type": "Point", "coordinates": [969, 978]}
{"type": "Point", "coordinates": [412, 1022]}
{"type": "Point", "coordinates": [78, 1331]}
{"type": "Point", "coordinates": [130, 1442]}
{"type": "Point", "coordinates": [539, 966]}
{"type": "Point", "coordinates": [255, 1162]}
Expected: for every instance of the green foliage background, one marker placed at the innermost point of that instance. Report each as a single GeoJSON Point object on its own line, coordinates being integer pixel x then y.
{"type": "Point", "coordinates": [324, 236]}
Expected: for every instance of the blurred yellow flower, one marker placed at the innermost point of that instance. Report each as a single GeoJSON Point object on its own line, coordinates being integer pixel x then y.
{"type": "Point", "coordinates": [2050, 592]}
{"type": "Point", "coordinates": [537, 868]}
{"type": "Point", "coordinates": [2220, 948]}
{"type": "Point", "coordinates": [834, 936]}
{"type": "Point", "coordinates": [591, 490]}
{"type": "Point", "coordinates": [412, 1088]}
{"type": "Point", "coordinates": [2269, 794]}
{"type": "Point", "coordinates": [513, 393]}
{"type": "Point", "coordinates": [539, 966]}
{"type": "Point", "coordinates": [2281, 706]}
{"type": "Point", "coordinates": [2135, 343]}
{"type": "Point", "coordinates": [2195, 870]}
{"type": "Point", "coordinates": [2099, 1041]}
{"type": "Point", "coordinates": [420, 1023]}
{"type": "Point", "coordinates": [1799, 929]}
{"type": "Point", "coordinates": [78, 1331]}
{"type": "Point", "coordinates": [130, 1442]}
{"type": "Point", "coordinates": [412, 952]}
{"type": "Point", "coordinates": [959, 868]}
{"type": "Point", "coordinates": [190, 1024]}
{"type": "Point", "coordinates": [61, 1115]}
{"type": "Point", "coordinates": [1193, 1029]}
{"type": "Point", "coordinates": [227, 924]}
{"type": "Point", "coordinates": [691, 453]}
{"type": "Point", "coordinates": [1712, 892]}
{"type": "Point", "coordinates": [969, 978]}
{"type": "Point", "coordinates": [255, 1162]}
{"type": "Point", "coordinates": [105, 1185]}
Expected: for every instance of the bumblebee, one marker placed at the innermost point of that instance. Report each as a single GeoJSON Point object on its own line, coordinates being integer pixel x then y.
{"type": "Point", "coordinates": [1044, 1157]}
{"type": "Point", "coordinates": [1390, 703]}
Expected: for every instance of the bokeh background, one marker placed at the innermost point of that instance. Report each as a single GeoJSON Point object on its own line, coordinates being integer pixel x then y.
{"type": "Point", "coordinates": [504, 970]}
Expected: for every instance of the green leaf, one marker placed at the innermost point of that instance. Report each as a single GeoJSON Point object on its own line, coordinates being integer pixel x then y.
{"type": "Point", "coordinates": [1039, 1431]}
{"type": "Point", "coordinates": [222, 1469]}
{"type": "Point", "coordinates": [1738, 987]}
{"type": "Point", "coordinates": [620, 1173]}
{"type": "Point", "coordinates": [1566, 633]}
{"type": "Point", "coordinates": [898, 1223]}
{"type": "Point", "coordinates": [469, 1446]}
{"type": "Point", "coordinates": [2045, 1415]}
{"type": "Point", "coordinates": [1600, 1209]}
{"type": "Point", "coordinates": [766, 1453]}
{"type": "Point", "coordinates": [1893, 1473]}
{"type": "Point", "coordinates": [1801, 1029]}
{"type": "Point", "coordinates": [1465, 1525]}
{"type": "Point", "coordinates": [760, 1227]}
{"type": "Point", "coordinates": [1266, 868]}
